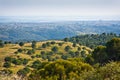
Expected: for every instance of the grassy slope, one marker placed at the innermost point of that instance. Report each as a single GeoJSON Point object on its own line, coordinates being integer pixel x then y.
{"type": "Point", "coordinates": [9, 50]}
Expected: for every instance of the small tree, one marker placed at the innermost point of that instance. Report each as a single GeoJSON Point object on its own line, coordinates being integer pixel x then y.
{"type": "Point", "coordinates": [42, 52]}
{"type": "Point", "coordinates": [33, 44]}
{"type": "Point", "coordinates": [67, 48]}
{"type": "Point", "coordinates": [1, 44]}
{"type": "Point", "coordinates": [17, 62]}
{"type": "Point", "coordinates": [31, 52]}
{"type": "Point", "coordinates": [74, 45]}
{"type": "Point", "coordinates": [53, 42]}
{"type": "Point", "coordinates": [79, 49]}
{"type": "Point", "coordinates": [20, 50]}
{"type": "Point", "coordinates": [55, 49]}
{"type": "Point", "coordinates": [66, 39]}
{"type": "Point", "coordinates": [44, 45]}
{"type": "Point", "coordinates": [48, 43]}
{"type": "Point", "coordinates": [6, 42]}
{"type": "Point", "coordinates": [7, 64]}
{"type": "Point", "coordinates": [23, 72]}
{"type": "Point", "coordinates": [25, 61]}
{"type": "Point", "coordinates": [83, 53]}
{"type": "Point", "coordinates": [60, 44]}
{"type": "Point", "coordinates": [77, 53]}
{"type": "Point", "coordinates": [8, 59]}
{"type": "Point", "coordinates": [21, 44]}
{"type": "Point", "coordinates": [36, 64]}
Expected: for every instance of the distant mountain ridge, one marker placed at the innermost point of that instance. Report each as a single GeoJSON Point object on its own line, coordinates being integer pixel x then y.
{"type": "Point", "coordinates": [55, 30]}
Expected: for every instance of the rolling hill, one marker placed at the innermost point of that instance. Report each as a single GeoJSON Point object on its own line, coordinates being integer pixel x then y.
{"type": "Point", "coordinates": [11, 53]}
{"type": "Point", "coordinates": [15, 31]}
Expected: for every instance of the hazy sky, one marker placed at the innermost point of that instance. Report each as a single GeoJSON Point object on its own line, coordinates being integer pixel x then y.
{"type": "Point", "coordinates": [84, 9]}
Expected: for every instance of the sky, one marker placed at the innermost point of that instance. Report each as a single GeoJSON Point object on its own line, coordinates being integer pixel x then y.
{"type": "Point", "coordinates": [61, 9]}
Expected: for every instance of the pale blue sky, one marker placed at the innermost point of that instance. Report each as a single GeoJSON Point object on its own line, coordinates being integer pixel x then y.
{"type": "Point", "coordinates": [74, 9]}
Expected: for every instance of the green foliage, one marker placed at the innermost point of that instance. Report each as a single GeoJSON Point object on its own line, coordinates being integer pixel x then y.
{"type": "Point", "coordinates": [19, 50]}
{"type": "Point", "coordinates": [60, 70]}
{"type": "Point", "coordinates": [67, 48]}
{"type": "Point", "coordinates": [6, 42]}
{"type": "Point", "coordinates": [66, 39]}
{"type": "Point", "coordinates": [92, 40]}
{"type": "Point", "coordinates": [38, 56]}
{"type": "Point", "coordinates": [17, 62]}
{"type": "Point", "coordinates": [36, 64]}
{"type": "Point", "coordinates": [8, 59]}
{"type": "Point", "coordinates": [60, 44]}
{"type": "Point", "coordinates": [113, 49]}
{"type": "Point", "coordinates": [74, 45]}
{"type": "Point", "coordinates": [83, 53]}
{"type": "Point", "coordinates": [53, 42]}
{"type": "Point", "coordinates": [21, 43]}
{"type": "Point", "coordinates": [1, 44]}
{"type": "Point", "coordinates": [110, 71]}
{"type": "Point", "coordinates": [42, 52]}
{"type": "Point", "coordinates": [100, 55]}
{"type": "Point", "coordinates": [7, 64]}
{"type": "Point", "coordinates": [79, 49]}
{"type": "Point", "coordinates": [25, 61]}
{"type": "Point", "coordinates": [64, 56]}
{"type": "Point", "coordinates": [89, 59]}
{"type": "Point", "coordinates": [48, 43]}
{"type": "Point", "coordinates": [23, 72]}
{"type": "Point", "coordinates": [33, 44]}
{"type": "Point", "coordinates": [31, 52]}
{"type": "Point", "coordinates": [55, 49]}
{"type": "Point", "coordinates": [111, 52]}
{"type": "Point", "coordinates": [44, 45]}
{"type": "Point", "coordinates": [72, 53]}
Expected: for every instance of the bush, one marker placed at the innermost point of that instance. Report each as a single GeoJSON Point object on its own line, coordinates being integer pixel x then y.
{"type": "Point", "coordinates": [33, 44]}
{"type": "Point", "coordinates": [74, 45]}
{"type": "Point", "coordinates": [55, 49]}
{"type": "Point", "coordinates": [17, 62]}
{"type": "Point", "coordinates": [8, 59]}
{"type": "Point", "coordinates": [61, 70]}
{"type": "Point", "coordinates": [19, 50]}
{"type": "Point", "coordinates": [31, 52]}
{"type": "Point", "coordinates": [21, 44]}
{"type": "Point", "coordinates": [1, 44]}
{"type": "Point", "coordinates": [7, 64]}
{"type": "Point", "coordinates": [44, 45]}
{"type": "Point", "coordinates": [60, 44]}
{"type": "Point", "coordinates": [79, 48]}
{"type": "Point", "coordinates": [25, 61]}
{"type": "Point", "coordinates": [36, 64]}
{"type": "Point", "coordinates": [53, 42]}
{"type": "Point", "coordinates": [66, 39]}
{"type": "Point", "coordinates": [67, 48]}
{"type": "Point", "coordinates": [23, 72]}
{"type": "Point", "coordinates": [48, 43]}
{"type": "Point", "coordinates": [42, 52]}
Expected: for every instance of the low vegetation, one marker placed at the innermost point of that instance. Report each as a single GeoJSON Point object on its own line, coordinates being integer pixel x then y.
{"type": "Point", "coordinates": [60, 60]}
{"type": "Point", "coordinates": [92, 40]}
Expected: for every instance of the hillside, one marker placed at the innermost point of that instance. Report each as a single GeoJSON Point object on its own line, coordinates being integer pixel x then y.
{"type": "Point", "coordinates": [59, 60]}
{"type": "Point", "coordinates": [92, 40]}
{"type": "Point", "coordinates": [45, 30]}
{"type": "Point", "coordinates": [15, 57]}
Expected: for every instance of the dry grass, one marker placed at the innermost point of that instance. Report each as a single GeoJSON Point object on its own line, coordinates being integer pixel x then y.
{"type": "Point", "coordinates": [9, 50]}
{"type": "Point", "coordinates": [11, 77]}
